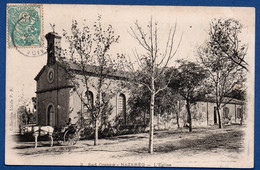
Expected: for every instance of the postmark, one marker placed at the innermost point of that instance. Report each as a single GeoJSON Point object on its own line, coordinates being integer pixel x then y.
{"type": "Point", "coordinates": [24, 25]}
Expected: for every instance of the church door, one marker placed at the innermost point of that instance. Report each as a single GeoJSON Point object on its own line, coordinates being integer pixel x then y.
{"type": "Point", "coordinates": [50, 116]}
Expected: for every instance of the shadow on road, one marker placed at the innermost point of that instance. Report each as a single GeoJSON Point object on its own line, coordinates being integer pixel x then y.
{"type": "Point", "coordinates": [230, 141]}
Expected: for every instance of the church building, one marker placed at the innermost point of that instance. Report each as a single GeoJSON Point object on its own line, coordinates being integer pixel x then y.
{"type": "Point", "coordinates": [57, 99]}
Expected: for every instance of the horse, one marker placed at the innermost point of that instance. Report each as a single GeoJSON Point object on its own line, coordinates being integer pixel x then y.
{"type": "Point", "coordinates": [42, 131]}
{"type": "Point", "coordinates": [36, 131]}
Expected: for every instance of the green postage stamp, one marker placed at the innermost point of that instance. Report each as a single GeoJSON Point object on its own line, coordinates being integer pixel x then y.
{"type": "Point", "coordinates": [24, 25]}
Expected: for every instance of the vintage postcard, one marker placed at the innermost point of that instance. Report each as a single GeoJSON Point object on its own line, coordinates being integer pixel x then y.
{"type": "Point", "coordinates": [130, 86]}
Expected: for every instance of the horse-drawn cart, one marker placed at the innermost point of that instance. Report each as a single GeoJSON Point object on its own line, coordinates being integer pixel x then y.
{"type": "Point", "coordinates": [63, 136]}
{"type": "Point", "coordinates": [67, 136]}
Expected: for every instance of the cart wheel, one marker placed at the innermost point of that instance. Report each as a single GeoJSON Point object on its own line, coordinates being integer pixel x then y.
{"type": "Point", "coordinates": [58, 139]}
{"type": "Point", "coordinates": [70, 138]}
{"type": "Point", "coordinates": [75, 138]}
{"type": "Point", "coordinates": [67, 137]}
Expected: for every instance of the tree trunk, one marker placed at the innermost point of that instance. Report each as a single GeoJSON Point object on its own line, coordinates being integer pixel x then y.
{"type": "Point", "coordinates": [177, 114]}
{"type": "Point", "coordinates": [189, 115]}
{"type": "Point", "coordinates": [158, 121]}
{"type": "Point", "coordinates": [144, 118]}
{"type": "Point", "coordinates": [177, 118]}
{"type": "Point", "coordinates": [98, 104]}
{"type": "Point", "coordinates": [151, 118]}
{"type": "Point", "coordinates": [219, 118]}
{"type": "Point", "coordinates": [96, 132]}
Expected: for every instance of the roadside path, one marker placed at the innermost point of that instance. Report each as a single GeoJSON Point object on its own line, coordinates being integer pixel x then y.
{"type": "Point", "coordinates": [172, 148]}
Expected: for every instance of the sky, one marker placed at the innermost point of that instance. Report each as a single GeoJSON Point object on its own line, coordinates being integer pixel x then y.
{"type": "Point", "coordinates": [192, 22]}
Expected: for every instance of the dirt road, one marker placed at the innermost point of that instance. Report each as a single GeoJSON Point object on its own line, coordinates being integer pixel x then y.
{"type": "Point", "coordinates": [172, 148]}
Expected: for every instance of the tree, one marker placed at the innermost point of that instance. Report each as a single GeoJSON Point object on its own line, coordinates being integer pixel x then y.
{"type": "Point", "coordinates": [34, 101]}
{"type": "Point", "coordinates": [165, 102]}
{"type": "Point", "coordinates": [89, 49]}
{"type": "Point", "coordinates": [152, 63]}
{"type": "Point", "coordinates": [226, 74]}
{"type": "Point", "coordinates": [239, 94]}
{"type": "Point", "coordinates": [26, 113]}
{"type": "Point", "coordinates": [23, 116]}
{"type": "Point", "coordinates": [224, 36]}
{"type": "Point", "coordinates": [139, 103]}
{"type": "Point", "coordinates": [189, 83]}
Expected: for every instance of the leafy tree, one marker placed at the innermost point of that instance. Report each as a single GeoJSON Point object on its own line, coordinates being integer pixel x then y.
{"type": "Point", "coordinates": [89, 49]}
{"type": "Point", "coordinates": [224, 39]}
{"type": "Point", "coordinates": [25, 116]}
{"type": "Point", "coordinates": [22, 114]}
{"type": "Point", "coordinates": [189, 83]}
{"type": "Point", "coordinates": [25, 113]}
{"type": "Point", "coordinates": [139, 104]}
{"type": "Point", "coordinates": [153, 63]}
{"type": "Point", "coordinates": [165, 102]}
{"type": "Point", "coordinates": [225, 73]}
{"type": "Point", "coordinates": [239, 94]}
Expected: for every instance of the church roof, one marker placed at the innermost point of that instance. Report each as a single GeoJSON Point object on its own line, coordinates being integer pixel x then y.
{"type": "Point", "coordinates": [89, 69]}
{"type": "Point", "coordinates": [228, 100]}
{"type": "Point", "coordinates": [94, 70]}
{"type": "Point", "coordinates": [40, 73]}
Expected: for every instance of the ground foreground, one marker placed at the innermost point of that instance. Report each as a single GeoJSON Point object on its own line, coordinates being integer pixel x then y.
{"type": "Point", "coordinates": [203, 147]}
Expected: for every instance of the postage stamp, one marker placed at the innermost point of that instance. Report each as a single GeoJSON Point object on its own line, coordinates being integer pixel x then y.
{"type": "Point", "coordinates": [24, 25]}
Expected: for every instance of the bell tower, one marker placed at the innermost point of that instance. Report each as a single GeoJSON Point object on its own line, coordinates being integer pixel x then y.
{"type": "Point", "coordinates": [53, 47]}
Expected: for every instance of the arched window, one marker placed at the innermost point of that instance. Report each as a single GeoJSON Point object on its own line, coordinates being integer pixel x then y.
{"type": "Point", "coordinates": [50, 115]}
{"type": "Point", "coordinates": [226, 112]}
{"type": "Point", "coordinates": [122, 106]}
{"type": "Point", "coordinates": [90, 99]}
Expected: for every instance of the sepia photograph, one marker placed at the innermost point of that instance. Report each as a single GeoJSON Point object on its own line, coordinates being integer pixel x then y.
{"type": "Point", "coordinates": [130, 86]}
